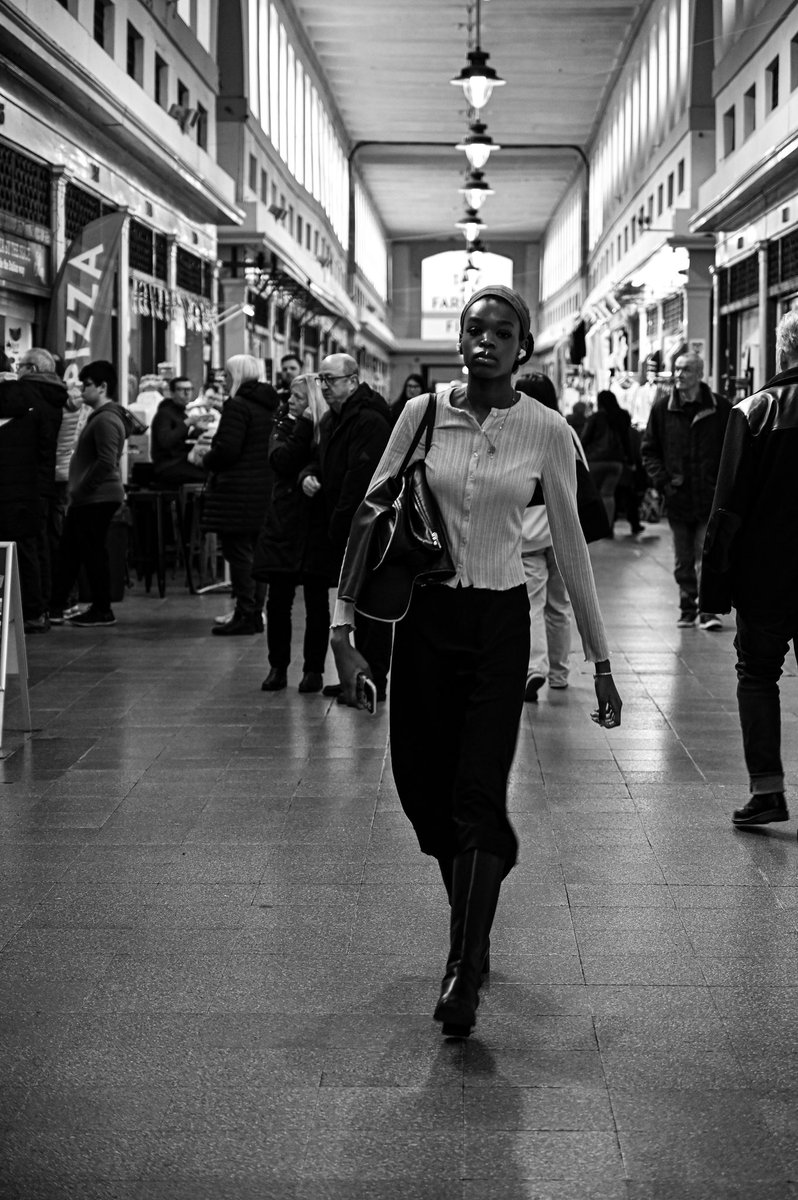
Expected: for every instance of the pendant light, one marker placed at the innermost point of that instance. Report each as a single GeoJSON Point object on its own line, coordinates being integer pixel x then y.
{"type": "Point", "coordinates": [477, 79]}
{"type": "Point", "coordinates": [478, 145]}
{"type": "Point", "coordinates": [471, 225]}
{"type": "Point", "coordinates": [476, 190]}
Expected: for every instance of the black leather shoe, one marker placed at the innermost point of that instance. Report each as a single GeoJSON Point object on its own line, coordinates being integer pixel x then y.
{"type": "Point", "coordinates": [762, 810]}
{"type": "Point", "coordinates": [532, 689]}
{"type": "Point", "coordinates": [311, 682]}
{"type": "Point", "coordinates": [275, 681]}
{"type": "Point", "coordinates": [241, 625]}
{"type": "Point", "coordinates": [332, 689]}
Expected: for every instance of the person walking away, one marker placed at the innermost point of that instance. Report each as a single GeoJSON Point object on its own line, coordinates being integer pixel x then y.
{"type": "Point", "coordinates": [549, 606]}
{"type": "Point", "coordinates": [239, 486]}
{"type": "Point", "coordinates": [95, 492]}
{"type": "Point", "coordinates": [605, 440]}
{"type": "Point", "coordinates": [352, 437]}
{"type": "Point", "coordinates": [19, 499]}
{"type": "Point", "coordinates": [459, 668]}
{"type": "Point", "coordinates": [293, 549]}
{"type": "Point", "coordinates": [750, 563]}
{"type": "Point", "coordinates": [681, 454]}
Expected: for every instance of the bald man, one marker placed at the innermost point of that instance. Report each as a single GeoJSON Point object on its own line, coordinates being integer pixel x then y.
{"type": "Point", "coordinates": [681, 451]}
{"type": "Point", "coordinates": [352, 437]}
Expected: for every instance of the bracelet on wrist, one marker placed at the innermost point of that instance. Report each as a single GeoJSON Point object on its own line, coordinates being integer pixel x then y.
{"type": "Point", "coordinates": [603, 675]}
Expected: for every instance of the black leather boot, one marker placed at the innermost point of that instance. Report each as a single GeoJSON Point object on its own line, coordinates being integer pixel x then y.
{"type": "Point", "coordinates": [476, 882]}
{"type": "Point", "coordinates": [446, 868]}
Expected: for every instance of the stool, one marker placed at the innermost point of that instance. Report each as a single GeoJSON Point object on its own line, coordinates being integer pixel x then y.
{"type": "Point", "coordinates": [198, 547]}
{"type": "Point", "coordinates": [152, 511]}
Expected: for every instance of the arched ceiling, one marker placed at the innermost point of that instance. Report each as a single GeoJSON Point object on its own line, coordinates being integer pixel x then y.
{"type": "Point", "coordinates": [388, 67]}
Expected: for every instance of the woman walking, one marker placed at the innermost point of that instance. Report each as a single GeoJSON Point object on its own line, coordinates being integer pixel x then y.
{"type": "Point", "coordinates": [461, 653]}
{"type": "Point", "coordinates": [605, 440]}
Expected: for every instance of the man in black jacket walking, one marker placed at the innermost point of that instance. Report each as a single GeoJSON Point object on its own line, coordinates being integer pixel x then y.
{"type": "Point", "coordinates": [352, 437]}
{"type": "Point", "coordinates": [750, 561]}
{"type": "Point", "coordinates": [681, 452]}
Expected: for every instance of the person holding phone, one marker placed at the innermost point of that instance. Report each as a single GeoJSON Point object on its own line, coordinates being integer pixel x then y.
{"type": "Point", "coordinates": [460, 659]}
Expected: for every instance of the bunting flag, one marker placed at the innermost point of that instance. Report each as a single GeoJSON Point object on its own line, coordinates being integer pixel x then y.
{"type": "Point", "coordinates": [80, 327]}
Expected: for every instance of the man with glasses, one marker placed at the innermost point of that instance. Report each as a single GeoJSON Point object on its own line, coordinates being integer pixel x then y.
{"type": "Point", "coordinates": [169, 447]}
{"type": "Point", "coordinates": [352, 437]}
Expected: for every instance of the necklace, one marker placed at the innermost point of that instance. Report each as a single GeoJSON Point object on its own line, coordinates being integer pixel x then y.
{"type": "Point", "coordinates": [492, 444]}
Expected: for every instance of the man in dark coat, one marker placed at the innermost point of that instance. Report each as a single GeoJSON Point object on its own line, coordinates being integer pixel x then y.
{"type": "Point", "coordinates": [44, 393]}
{"type": "Point", "coordinates": [750, 561]}
{"type": "Point", "coordinates": [352, 437]}
{"type": "Point", "coordinates": [681, 452]}
{"type": "Point", "coordinates": [169, 448]}
{"type": "Point", "coordinates": [19, 499]}
{"type": "Point", "coordinates": [239, 488]}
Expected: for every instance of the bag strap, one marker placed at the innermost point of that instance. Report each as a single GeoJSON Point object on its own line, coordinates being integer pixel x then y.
{"type": "Point", "coordinates": [427, 423]}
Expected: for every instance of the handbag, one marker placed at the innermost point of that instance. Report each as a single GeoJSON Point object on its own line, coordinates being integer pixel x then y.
{"type": "Point", "coordinates": [401, 536]}
{"type": "Point", "coordinates": [589, 506]}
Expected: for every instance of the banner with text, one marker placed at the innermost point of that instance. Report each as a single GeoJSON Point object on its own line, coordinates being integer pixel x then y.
{"type": "Point", "coordinates": [80, 328]}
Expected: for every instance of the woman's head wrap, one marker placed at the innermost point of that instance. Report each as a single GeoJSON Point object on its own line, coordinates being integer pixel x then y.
{"type": "Point", "coordinates": [517, 303]}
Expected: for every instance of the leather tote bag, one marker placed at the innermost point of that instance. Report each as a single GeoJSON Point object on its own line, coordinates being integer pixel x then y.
{"type": "Point", "coordinates": [402, 533]}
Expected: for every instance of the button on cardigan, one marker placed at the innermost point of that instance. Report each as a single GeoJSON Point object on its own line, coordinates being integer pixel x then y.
{"type": "Point", "coordinates": [483, 477]}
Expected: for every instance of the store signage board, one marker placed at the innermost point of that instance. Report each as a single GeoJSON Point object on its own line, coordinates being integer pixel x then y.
{"type": "Point", "coordinates": [23, 262]}
{"type": "Point", "coordinates": [13, 658]}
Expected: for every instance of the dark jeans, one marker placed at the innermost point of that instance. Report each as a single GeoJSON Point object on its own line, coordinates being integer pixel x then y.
{"type": "Point", "coordinates": [55, 515]}
{"type": "Point", "coordinates": [688, 545]}
{"type": "Point", "coordinates": [317, 620]}
{"type": "Point", "coordinates": [457, 693]}
{"type": "Point", "coordinates": [83, 544]}
{"type": "Point", "coordinates": [239, 551]}
{"type": "Point", "coordinates": [30, 577]}
{"type": "Point", "coordinates": [762, 643]}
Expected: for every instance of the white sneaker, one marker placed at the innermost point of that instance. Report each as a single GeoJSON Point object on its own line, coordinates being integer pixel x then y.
{"type": "Point", "coordinates": [225, 619]}
{"type": "Point", "coordinates": [709, 621]}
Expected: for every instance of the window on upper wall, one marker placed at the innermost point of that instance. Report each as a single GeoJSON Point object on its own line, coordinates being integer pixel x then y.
{"type": "Point", "coordinates": [202, 127]}
{"type": "Point", "coordinates": [749, 111]}
{"type": "Point", "coordinates": [794, 63]}
{"type": "Point", "coordinates": [182, 94]}
{"type": "Point", "coordinates": [307, 236]}
{"type": "Point", "coordinates": [670, 190]}
{"type": "Point", "coordinates": [680, 177]}
{"type": "Point", "coordinates": [772, 85]}
{"type": "Point", "coordinates": [729, 131]}
{"type": "Point", "coordinates": [264, 187]}
{"type": "Point", "coordinates": [103, 26]}
{"type": "Point", "coordinates": [660, 196]}
{"type": "Point", "coordinates": [161, 82]}
{"type": "Point", "coordinates": [135, 53]}
{"type": "Point", "coordinates": [253, 173]}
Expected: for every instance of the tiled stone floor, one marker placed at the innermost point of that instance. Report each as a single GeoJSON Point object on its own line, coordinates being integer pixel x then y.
{"type": "Point", "coordinates": [221, 947]}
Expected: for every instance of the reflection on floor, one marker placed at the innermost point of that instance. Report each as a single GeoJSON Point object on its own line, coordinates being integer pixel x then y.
{"type": "Point", "coordinates": [221, 947]}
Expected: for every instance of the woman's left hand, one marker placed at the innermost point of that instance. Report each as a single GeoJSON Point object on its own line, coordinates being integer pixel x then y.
{"type": "Point", "coordinates": [610, 704]}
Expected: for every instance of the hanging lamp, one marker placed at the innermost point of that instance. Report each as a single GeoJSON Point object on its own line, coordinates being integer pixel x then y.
{"type": "Point", "coordinates": [478, 145]}
{"type": "Point", "coordinates": [477, 79]}
{"type": "Point", "coordinates": [476, 190]}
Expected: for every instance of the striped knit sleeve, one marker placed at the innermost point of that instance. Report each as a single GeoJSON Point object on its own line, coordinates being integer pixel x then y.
{"type": "Point", "coordinates": [570, 549]}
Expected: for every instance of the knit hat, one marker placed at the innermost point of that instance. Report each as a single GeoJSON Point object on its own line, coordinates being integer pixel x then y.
{"type": "Point", "coordinates": [517, 303]}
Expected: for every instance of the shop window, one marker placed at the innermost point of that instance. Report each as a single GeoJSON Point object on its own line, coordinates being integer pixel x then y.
{"type": "Point", "coordinates": [161, 82]}
{"type": "Point", "coordinates": [670, 190]}
{"type": "Point", "coordinates": [680, 177]}
{"type": "Point", "coordinates": [24, 187]}
{"type": "Point", "coordinates": [104, 25]}
{"type": "Point", "coordinates": [202, 127]}
{"type": "Point", "coordinates": [140, 247]}
{"type": "Point", "coordinates": [264, 187]}
{"type": "Point", "coordinates": [189, 271]}
{"type": "Point", "coordinates": [744, 279]}
{"type": "Point", "coordinates": [161, 268]}
{"type": "Point", "coordinates": [749, 111]}
{"type": "Point", "coordinates": [660, 196]}
{"type": "Point", "coordinates": [772, 85]}
{"type": "Point", "coordinates": [673, 313]}
{"type": "Point", "coordinates": [253, 173]}
{"type": "Point", "coordinates": [729, 131]}
{"type": "Point", "coordinates": [135, 53]}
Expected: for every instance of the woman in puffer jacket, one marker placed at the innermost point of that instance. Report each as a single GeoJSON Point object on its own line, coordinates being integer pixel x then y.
{"type": "Point", "coordinates": [239, 486]}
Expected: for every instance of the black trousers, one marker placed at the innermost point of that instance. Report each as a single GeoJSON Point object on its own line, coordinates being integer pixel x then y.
{"type": "Point", "coordinates": [457, 693]}
{"type": "Point", "coordinates": [282, 590]}
{"type": "Point", "coordinates": [83, 544]}
{"type": "Point", "coordinates": [239, 551]}
{"type": "Point", "coordinates": [762, 643]}
{"type": "Point", "coordinates": [30, 577]}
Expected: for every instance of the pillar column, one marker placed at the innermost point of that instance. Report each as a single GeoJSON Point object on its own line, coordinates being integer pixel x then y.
{"type": "Point", "coordinates": [765, 334]}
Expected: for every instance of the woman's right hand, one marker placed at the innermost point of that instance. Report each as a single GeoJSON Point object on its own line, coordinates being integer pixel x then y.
{"type": "Point", "coordinates": [350, 663]}
{"type": "Point", "coordinates": [310, 486]}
